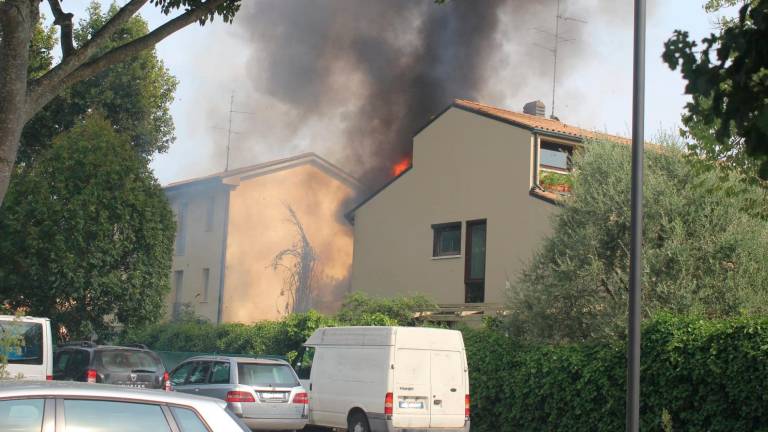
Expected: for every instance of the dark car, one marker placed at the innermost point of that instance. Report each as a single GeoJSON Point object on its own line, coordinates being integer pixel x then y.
{"type": "Point", "coordinates": [131, 366]}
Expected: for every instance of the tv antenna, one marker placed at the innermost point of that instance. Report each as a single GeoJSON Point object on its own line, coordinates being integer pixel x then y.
{"type": "Point", "coordinates": [229, 127]}
{"type": "Point", "coordinates": [558, 39]}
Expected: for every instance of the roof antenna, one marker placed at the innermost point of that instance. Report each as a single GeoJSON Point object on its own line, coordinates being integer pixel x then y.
{"type": "Point", "coordinates": [229, 127]}
{"type": "Point", "coordinates": [554, 48]}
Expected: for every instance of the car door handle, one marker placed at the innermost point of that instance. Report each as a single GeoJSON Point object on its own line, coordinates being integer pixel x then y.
{"type": "Point", "coordinates": [310, 386]}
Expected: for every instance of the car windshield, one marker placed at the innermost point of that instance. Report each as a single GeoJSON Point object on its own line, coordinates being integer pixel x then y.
{"type": "Point", "coordinates": [26, 342]}
{"type": "Point", "coordinates": [129, 361]}
{"type": "Point", "coordinates": [262, 374]}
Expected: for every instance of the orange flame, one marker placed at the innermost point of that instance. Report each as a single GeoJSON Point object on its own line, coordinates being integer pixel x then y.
{"type": "Point", "coordinates": [401, 166]}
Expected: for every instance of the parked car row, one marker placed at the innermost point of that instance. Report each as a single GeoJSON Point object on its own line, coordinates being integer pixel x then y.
{"type": "Point", "coordinates": [363, 379]}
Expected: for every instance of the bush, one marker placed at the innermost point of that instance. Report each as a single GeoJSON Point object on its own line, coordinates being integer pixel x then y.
{"type": "Point", "coordinates": [696, 374]}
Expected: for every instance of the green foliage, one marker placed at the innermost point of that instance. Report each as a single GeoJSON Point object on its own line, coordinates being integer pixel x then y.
{"type": "Point", "coordinates": [134, 95]}
{"type": "Point", "coordinates": [359, 309]}
{"type": "Point", "coordinates": [702, 253]}
{"type": "Point", "coordinates": [86, 234]}
{"type": "Point", "coordinates": [226, 10]}
{"type": "Point", "coordinates": [696, 375]}
{"type": "Point", "coordinates": [728, 80]}
{"type": "Point", "coordinates": [555, 179]}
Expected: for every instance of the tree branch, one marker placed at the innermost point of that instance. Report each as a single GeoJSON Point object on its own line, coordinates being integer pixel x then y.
{"type": "Point", "coordinates": [64, 21]}
{"type": "Point", "coordinates": [49, 84]}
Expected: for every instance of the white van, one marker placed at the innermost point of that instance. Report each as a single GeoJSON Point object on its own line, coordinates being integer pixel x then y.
{"type": "Point", "coordinates": [384, 379]}
{"type": "Point", "coordinates": [34, 359]}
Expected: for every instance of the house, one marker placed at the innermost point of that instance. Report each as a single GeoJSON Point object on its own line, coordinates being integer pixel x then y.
{"type": "Point", "coordinates": [461, 222]}
{"type": "Point", "coordinates": [261, 241]}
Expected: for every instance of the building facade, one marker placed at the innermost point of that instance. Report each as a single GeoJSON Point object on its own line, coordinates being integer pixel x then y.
{"type": "Point", "coordinates": [258, 242]}
{"type": "Point", "coordinates": [466, 217]}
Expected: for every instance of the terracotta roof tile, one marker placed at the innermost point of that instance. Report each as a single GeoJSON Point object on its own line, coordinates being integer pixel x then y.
{"type": "Point", "coordinates": [536, 122]}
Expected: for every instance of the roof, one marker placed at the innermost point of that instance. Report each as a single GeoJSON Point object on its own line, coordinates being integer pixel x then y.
{"type": "Point", "coordinates": [536, 123]}
{"type": "Point", "coordinates": [13, 388]}
{"type": "Point", "coordinates": [268, 168]}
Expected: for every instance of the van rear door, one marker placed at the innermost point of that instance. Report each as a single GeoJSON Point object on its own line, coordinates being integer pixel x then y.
{"type": "Point", "coordinates": [448, 389]}
{"type": "Point", "coordinates": [411, 395]}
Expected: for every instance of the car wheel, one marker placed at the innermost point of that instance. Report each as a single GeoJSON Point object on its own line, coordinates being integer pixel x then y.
{"type": "Point", "coordinates": [358, 423]}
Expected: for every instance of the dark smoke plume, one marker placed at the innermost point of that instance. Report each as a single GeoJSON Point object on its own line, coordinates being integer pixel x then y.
{"type": "Point", "coordinates": [377, 70]}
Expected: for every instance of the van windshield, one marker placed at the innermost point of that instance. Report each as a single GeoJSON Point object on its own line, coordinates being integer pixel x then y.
{"type": "Point", "coordinates": [261, 374]}
{"type": "Point", "coordinates": [22, 342]}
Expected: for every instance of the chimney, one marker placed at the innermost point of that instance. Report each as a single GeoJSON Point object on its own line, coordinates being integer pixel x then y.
{"type": "Point", "coordinates": [535, 108]}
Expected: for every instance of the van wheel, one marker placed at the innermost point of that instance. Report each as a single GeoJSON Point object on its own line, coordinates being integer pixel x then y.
{"type": "Point", "coordinates": [358, 423]}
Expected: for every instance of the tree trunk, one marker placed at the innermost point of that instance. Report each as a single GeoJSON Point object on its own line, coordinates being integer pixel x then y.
{"type": "Point", "coordinates": [17, 22]}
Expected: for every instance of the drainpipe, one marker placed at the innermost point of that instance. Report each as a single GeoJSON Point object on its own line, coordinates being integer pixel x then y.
{"type": "Point", "coordinates": [536, 149]}
{"type": "Point", "coordinates": [223, 264]}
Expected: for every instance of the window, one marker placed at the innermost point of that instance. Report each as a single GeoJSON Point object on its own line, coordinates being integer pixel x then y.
{"type": "Point", "coordinates": [303, 367]}
{"type": "Point", "coordinates": [474, 272]}
{"type": "Point", "coordinates": [200, 374]}
{"type": "Point", "coordinates": [103, 416]}
{"type": "Point", "coordinates": [211, 206]}
{"type": "Point", "coordinates": [187, 420]}
{"type": "Point", "coordinates": [180, 375]}
{"type": "Point", "coordinates": [555, 156]}
{"type": "Point", "coordinates": [129, 360]}
{"type": "Point", "coordinates": [178, 284]}
{"type": "Point", "coordinates": [78, 364]}
{"type": "Point", "coordinates": [447, 239]}
{"type": "Point", "coordinates": [24, 415]}
{"type": "Point", "coordinates": [29, 351]}
{"type": "Point", "coordinates": [181, 230]}
{"type": "Point", "coordinates": [220, 373]}
{"type": "Point", "coordinates": [262, 374]}
{"type": "Point", "coordinates": [206, 281]}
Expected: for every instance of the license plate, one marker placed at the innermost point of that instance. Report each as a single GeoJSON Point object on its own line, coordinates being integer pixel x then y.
{"type": "Point", "coordinates": [273, 396]}
{"type": "Point", "coordinates": [136, 385]}
{"type": "Point", "coordinates": [411, 404]}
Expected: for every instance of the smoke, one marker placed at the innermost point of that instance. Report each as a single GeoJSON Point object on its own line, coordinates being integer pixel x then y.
{"type": "Point", "coordinates": [355, 79]}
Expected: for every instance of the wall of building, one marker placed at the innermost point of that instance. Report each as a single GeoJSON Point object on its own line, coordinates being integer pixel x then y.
{"type": "Point", "coordinates": [260, 227]}
{"type": "Point", "coordinates": [465, 167]}
{"type": "Point", "coordinates": [200, 211]}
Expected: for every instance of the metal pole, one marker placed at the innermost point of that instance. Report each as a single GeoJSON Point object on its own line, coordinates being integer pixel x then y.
{"type": "Point", "coordinates": [554, 67]}
{"type": "Point", "coordinates": [636, 245]}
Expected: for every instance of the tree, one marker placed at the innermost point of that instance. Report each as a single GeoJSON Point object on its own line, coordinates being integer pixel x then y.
{"type": "Point", "coordinates": [727, 118]}
{"type": "Point", "coordinates": [134, 95]}
{"type": "Point", "coordinates": [24, 95]}
{"type": "Point", "coordinates": [87, 236]}
{"type": "Point", "coordinates": [703, 254]}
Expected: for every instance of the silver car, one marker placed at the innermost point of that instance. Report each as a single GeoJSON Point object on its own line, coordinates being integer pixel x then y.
{"type": "Point", "coordinates": [265, 393]}
{"type": "Point", "coordinates": [59, 406]}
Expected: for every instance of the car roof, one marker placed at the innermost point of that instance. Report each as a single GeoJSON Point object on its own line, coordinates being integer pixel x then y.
{"type": "Point", "coordinates": [237, 359]}
{"type": "Point", "coordinates": [102, 347]}
{"type": "Point", "coordinates": [16, 389]}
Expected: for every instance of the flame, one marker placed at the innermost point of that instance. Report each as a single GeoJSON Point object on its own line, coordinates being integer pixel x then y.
{"type": "Point", "coordinates": [401, 166]}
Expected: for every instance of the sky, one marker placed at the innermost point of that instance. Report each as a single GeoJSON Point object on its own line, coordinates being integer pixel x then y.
{"type": "Point", "coordinates": [594, 82]}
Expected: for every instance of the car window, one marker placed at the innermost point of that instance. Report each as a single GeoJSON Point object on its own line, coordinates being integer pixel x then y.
{"type": "Point", "coordinates": [220, 373]}
{"type": "Point", "coordinates": [60, 361]}
{"type": "Point", "coordinates": [108, 416]}
{"type": "Point", "coordinates": [30, 336]}
{"type": "Point", "coordinates": [180, 375]}
{"type": "Point", "coordinates": [200, 374]}
{"type": "Point", "coordinates": [265, 374]}
{"type": "Point", "coordinates": [304, 364]}
{"type": "Point", "coordinates": [78, 363]}
{"type": "Point", "coordinates": [129, 361]}
{"type": "Point", "coordinates": [24, 415]}
{"type": "Point", "coordinates": [188, 420]}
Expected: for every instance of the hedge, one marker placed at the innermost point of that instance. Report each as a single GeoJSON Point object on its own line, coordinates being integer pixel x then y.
{"type": "Point", "coordinates": [696, 375]}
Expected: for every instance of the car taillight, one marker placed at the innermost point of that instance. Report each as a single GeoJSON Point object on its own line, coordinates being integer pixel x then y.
{"type": "Point", "coordinates": [466, 406]}
{"type": "Point", "coordinates": [166, 382]}
{"type": "Point", "coordinates": [301, 398]}
{"type": "Point", "coordinates": [388, 403]}
{"type": "Point", "coordinates": [239, 396]}
{"type": "Point", "coordinates": [90, 376]}
{"type": "Point", "coordinates": [49, 377]}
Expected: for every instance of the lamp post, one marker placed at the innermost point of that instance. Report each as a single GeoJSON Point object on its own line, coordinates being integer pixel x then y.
{"type": "Point", "coordinates": [636, 240]}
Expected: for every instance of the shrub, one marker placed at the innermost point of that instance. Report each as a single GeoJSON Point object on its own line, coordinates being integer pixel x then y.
{"type": "Point", "coordinates": [696, 375]}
